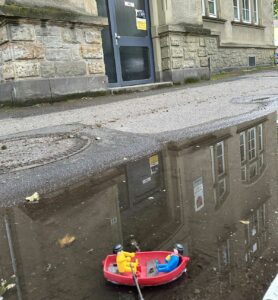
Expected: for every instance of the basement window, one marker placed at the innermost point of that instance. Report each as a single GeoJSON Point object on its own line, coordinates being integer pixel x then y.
{"type": "Point", "coordinates": [252, 61]}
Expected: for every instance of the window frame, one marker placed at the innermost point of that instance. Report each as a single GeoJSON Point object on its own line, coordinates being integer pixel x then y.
{"type": "Point", "coordinates": [214, 14]}
{"type": "Point", "coordinates": [220, 158]}
{"type": "Point", "coordinates": [237, 9]}
{"type": "Point", "coordinates": [249, 143]}
{"type": "Point", "coordinates": [260, 138]}
{"type": "Point", "coordinates": [256, 12]}
{"type": "Point", "coordinates": [219, 178]}
{"type": "Point", "coordinates": [252, 148]}
{"type": "Point", "coordinates": [248, 21]}
{"type": "Point", "coordinates": [203, 6]}
{"type": "Point", "coordinates": [242, 134]}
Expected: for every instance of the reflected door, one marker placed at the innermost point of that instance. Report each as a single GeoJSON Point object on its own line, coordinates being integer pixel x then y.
{"type": "Point", "coordinates": [130, 28]}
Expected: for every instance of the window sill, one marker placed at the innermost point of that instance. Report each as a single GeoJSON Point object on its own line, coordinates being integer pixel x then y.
{"type": "Point", "coordinates": [242, 24]}
{"type": "Point", "coordinates": [214, 20]}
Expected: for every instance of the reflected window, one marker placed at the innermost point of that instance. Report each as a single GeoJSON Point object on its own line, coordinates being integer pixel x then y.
{"type": "Point", "coordinates": [243, 173]}
{"type": "Point", "coordinates": [251, 134]}
{"type": "Point", "coordinates": [260, 139]}
{"type": "Point", "coordinates": [219, 173]}
{"type": "Point", "coordinates": [242, 147]}
{"type": "Point", "coordinates": [224, 258]}
{"type": "Point", "coordinates": [253, 170]}
{"type": "Point", "coordinates": [256, 233]}
{"type": "Point", "coordinates": [252, 153]}
{"type": "Point", "coordinates": [222, 187]}
{"type": "Point", "coordinates": [220, 158]}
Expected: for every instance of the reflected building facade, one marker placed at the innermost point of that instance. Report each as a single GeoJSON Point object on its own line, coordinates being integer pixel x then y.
{"type": "Point", "coordinates": [215, 194]}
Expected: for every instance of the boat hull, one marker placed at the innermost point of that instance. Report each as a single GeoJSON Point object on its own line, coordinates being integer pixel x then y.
{"type": "Point", "coordinates": [144, 277]}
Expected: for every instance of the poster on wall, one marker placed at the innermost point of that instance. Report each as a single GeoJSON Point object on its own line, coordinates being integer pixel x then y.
{"type": "Point", "coordinates": [141, 20]}
{"type": "Point", "coordinates": [129, 4]}
{"type": "Point", "coordinates": [198, 194]}
{"type": "Point", "coordinates": [154, 164]}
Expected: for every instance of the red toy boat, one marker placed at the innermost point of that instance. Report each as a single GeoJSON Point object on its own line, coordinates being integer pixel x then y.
{"type": "Point", "coordinates": [146, 274]}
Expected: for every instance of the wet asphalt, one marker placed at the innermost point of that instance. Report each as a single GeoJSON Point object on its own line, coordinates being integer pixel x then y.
{"type": "Point", "coordinates": [124, 127]}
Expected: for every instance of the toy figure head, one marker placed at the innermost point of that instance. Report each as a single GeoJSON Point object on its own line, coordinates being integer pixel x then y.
{"type": "Point", "coordinates": [176, 252]}
{"type": "Point", "coordinates": [179, 248]}
{"type": "Point", "coordinates": [117, 248]}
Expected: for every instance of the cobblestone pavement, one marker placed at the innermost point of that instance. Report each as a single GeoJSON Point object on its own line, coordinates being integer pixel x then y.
{"type": "Point", "coordinates": [167, 110]}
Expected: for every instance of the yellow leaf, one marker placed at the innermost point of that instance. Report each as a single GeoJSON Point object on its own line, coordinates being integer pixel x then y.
{"type": "Point", "coordinates": [66, 240]}
{"type": "Point", "coordinates": [245, 222]}
{"type": "Point", "coordinates": [35, 197]}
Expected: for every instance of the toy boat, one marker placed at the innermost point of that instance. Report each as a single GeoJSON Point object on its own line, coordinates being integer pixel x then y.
{"type": "Point", "coordinates": [146, 274]}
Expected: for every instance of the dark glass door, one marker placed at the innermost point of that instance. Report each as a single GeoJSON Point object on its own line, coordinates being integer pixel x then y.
{"type": "Point", "coordinates": [130, 29]}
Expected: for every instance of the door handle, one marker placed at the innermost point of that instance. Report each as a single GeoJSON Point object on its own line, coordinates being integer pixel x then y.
{"type": "Point", "coordinates": [117, 37]}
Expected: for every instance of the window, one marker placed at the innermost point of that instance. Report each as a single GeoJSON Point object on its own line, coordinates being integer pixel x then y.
{"type": "Point", "coordinates": [256, 13]}
{"type": "Point", "coordinates": [242, 147]}
{"type": "Point", "coordinates": [243, 173]}
{"type": "Point", "coordinates": [222, 187]}
{"type": "Point", "coordinates": [251, 143]}
{"type": "Point", "coordinates": [236, 10]}
{"type": "Point", "coordinates": [212, 8]}
{"type": "Point", "coordinates": [251, 135]}
{"type": "Point", "coordinates": [220, 158]}
{"type": "Point", "coordinates": [203, 8]}
{"type": "Point", "coordinates": [256, 233]}
{"type": "Point", "coordinates": [219, 173]}
{"type": "Point", "coordinates": [209, 8]}
{"type": "Point", "coordinates": [260, 132]}
{"type": "Point", "coordinates": [249, 13]}
{"type": "Point", "coordinates": [224, 258]}
{"type": "Point", "coordinates": [246, 15]}
{"type": "Point", "coordinates": [253, 170]}
{"type": "Point", "coordinates": [261, 161]}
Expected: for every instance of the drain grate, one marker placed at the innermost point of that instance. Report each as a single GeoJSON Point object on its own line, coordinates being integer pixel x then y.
{"type": "Point", "coordinates": [37, 150]}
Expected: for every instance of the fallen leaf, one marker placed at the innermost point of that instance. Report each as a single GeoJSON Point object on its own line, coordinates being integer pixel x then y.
{"type": "Point", "coordinates": [66, 240]}
{"type": "Point", "coordinates": [245, 222]}
{"type": "Point", "coordinates": [34, 198]}
{"type": "Point", "coordinates": [10, 286]}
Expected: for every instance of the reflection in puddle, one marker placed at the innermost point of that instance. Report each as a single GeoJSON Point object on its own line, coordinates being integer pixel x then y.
{"type": "Point", "coordinates": [217, 195]}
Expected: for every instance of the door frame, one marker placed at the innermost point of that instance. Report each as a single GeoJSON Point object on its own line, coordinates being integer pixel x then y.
{"type": "Point", "coordinates": [130, 41]}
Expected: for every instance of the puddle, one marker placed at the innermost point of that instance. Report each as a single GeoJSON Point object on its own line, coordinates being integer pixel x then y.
{"type": "Point", "coordinates": [216, 195]}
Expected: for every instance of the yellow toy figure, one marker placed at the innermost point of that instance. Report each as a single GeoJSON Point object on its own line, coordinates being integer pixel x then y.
{"type": "Point", "coordinates": [123, 260]}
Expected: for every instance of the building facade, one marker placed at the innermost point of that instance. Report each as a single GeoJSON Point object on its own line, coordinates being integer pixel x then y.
{"type": "Point", "coordinates": [50, 51]}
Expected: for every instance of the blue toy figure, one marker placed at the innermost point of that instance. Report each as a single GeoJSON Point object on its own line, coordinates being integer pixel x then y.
{"type": "Point", "coordinates": [172, 262]}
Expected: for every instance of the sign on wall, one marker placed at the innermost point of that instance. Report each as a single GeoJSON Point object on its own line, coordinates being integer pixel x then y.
{"type": "Point", "coordinates": [141, 20]}
{"type": "Point", "coordinates": [154, 164]}
{"type": "Point", "coordinates": [198, 194]}
{"type": "Point", "coordinates": [129, 4]}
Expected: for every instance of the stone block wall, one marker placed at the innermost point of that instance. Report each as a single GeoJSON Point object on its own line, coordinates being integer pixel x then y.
{"type": "Point", "coordinates": [49, 50]}
{"type": "Point", "coordinates": [185, 56]}
{"type": "Point", "coordinates": [50, 60]}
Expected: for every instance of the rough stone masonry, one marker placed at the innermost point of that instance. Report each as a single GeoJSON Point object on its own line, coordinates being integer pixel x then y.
{"type": "Point", "coordinates": [48, 53]}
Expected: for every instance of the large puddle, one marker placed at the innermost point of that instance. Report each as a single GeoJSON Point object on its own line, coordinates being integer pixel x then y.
{"type": "Point", "coordinates": [215, 194]}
